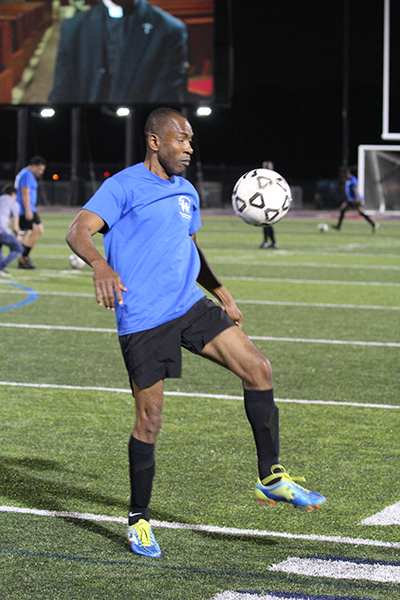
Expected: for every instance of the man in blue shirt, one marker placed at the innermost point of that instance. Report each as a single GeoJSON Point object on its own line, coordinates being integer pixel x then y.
{"type": "Point", "coordinates": [149, 216]}
{"type": "Point", "coordinates": [353, 200]}
{"type": "Point", "coordinates": [29, 220]}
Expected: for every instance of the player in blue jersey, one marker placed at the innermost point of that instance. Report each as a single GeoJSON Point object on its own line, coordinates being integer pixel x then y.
{"type": "Point", "coordinates": [149, 215]}
{"type": "Point", "coordinates": [353, 200]}
{"type": "Point", "coordinates": [29, 220]}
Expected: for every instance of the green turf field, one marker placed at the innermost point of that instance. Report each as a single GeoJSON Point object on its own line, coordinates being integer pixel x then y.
{"type": "Point", "coordinates": [325, 309]}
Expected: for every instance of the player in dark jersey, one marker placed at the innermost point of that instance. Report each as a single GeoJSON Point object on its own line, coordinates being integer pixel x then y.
{"type": "Point", "coordinates": [353, 200]}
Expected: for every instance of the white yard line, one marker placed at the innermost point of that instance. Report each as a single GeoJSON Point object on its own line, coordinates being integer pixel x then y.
{"type": "Point", "coordinates": [206, 528]}
{"type": "Point", "coordinates": [340, 569]}
{"type": "Point", "coordinates": [268, 264]}
{"type": "Point", "coordinates": [388, 516]}
{"type": "Point", "coordinates": [311, 281]}
{"type": "Point", "coordinates": [239, 301]}
{"type": "Point", "coordinates": [252, 337]}
{"type": "Point", "coordinates": [194, 395]}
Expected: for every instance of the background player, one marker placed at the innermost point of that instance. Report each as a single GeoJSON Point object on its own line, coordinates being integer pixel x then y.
{"type": "Point", "coordinates": [353, 200]}
{"type": "Point", "coordinates": [29, 220]}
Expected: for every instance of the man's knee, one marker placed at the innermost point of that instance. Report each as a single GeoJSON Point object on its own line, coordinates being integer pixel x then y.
{"type": "Point", "coordinates": [258, 373]}
{"type": "Point", "coordinates": [148, 422]}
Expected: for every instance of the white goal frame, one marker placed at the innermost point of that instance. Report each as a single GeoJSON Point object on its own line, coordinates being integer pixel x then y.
{"type": "Point", "coordinates": [386, 133]}
{"type": "Point", "coordinates": [362, 149]}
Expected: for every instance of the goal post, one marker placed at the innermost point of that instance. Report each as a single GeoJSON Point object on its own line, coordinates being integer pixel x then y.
{"type": "Point", "coordinates": [379, 177]}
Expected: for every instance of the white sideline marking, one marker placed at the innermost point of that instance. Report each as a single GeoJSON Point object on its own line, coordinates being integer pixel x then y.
{"type": "Point", "coordinates": [316, 281]}
{"type": "Point", "coordinates": [269, 264]}
{"type": "Point", "coordinates": [68, 294]}
{"type": "Point", "coordinates": [340, 569]}
{"type": "Point", "coordinates": [316, 341]}
{"type": "Point", "coordinates": [59, 327]}
{"type": "Point", "coordinates": [316, 304]}
{"type": "Point", "coordinates": [388, 516]}
{"type": "Point", "coordinates": [257, 302]}
{"type": "Point", "coordinates": [206, 528]}
{"type": "Point", "coordinates": [231, 595]}
{"type": "Point", "coordinates": [252, 337]}
{"type": "Point", "coordinates": [194, 395]}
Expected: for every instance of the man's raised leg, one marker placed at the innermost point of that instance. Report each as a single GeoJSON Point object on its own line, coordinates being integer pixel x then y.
{"type": "Point", "coordinates": [235, 351]}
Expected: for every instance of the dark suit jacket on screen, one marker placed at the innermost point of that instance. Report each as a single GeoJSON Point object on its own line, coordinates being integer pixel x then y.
{"type": "Point", "coordinates": [152, 66]}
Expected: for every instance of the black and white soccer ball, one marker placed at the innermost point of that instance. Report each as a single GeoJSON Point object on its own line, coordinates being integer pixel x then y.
{"type": "Point", "coordinates": [261, 197]}
{"type": "Point", "coordinates": [322, 227]}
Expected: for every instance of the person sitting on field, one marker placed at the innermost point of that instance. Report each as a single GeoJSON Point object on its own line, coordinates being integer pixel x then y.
{"type": "Point", "coordinates": [9, 209]}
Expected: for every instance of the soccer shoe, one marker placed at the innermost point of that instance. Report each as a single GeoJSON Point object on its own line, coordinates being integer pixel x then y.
{"type": "Point", "coordinates": [284, 488]}
{"type": "Point", "coordinates": [375, 227]}
{"type": "Point", "coordinates": [142, 540]}
{"type": "Point", "coordinates": [5, 273]}
{"type": "Point", "coordinates": [24, 262]}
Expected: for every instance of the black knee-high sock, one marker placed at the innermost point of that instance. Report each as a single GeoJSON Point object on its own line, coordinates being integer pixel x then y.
{"type": "Point", "coordinates": [263, 415]}
{"type": "Point", "coordinates": [370, 221]}
{"type": "Point", "coordinates": [141, 472]}
{"type": "Point", "coordinates": [26, 250]}
{"type": "Point", "coordinates": [341, 217]}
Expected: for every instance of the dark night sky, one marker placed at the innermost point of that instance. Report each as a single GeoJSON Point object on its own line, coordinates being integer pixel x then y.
{"type": "Point", "coordinates": [287, 100]}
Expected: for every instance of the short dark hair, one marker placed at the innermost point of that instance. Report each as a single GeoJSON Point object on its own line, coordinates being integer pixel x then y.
{"type": "Point", "coordinates": [8, 188]}
{"type": "Point", "coordinates": [158, 119]}
{"type": "Point", "coordinates": [38, 160]}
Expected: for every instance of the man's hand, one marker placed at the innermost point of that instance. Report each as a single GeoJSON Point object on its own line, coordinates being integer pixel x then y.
{"type": "Point", "coordinates": [107, 284]}
{"type": "Point", "coordinates": [229, 306]}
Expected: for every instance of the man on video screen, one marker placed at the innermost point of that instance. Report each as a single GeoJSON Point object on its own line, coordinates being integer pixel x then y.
{"type": "Point", "coordinates": [126, 51]}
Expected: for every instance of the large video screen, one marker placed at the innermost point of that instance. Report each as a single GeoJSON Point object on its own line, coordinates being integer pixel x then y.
{"type": "Point", "coordinates": [98, 51]}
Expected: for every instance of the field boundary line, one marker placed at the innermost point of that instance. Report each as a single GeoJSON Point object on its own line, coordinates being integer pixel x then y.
{"type": "Point", "coordinates": [239, 301]}
{"type": "Point", "coordinates": [194, 395]}
{"type": "Point", "coordinates": [316, 304]}
{"type": "Point", "coordinates": [311, 281]}
{"type": "Point", "coordinates": [322, 341]}
{"type": "Point", "coordinates": [252, 337]}
{"type": "Point", "coordinates": [308, 265]}
{"type": "Point", "coordinates": [206, 528]}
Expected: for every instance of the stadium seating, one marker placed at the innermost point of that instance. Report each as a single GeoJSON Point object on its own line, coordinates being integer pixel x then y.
{"type": "Point", "coordinates": [21, 27]}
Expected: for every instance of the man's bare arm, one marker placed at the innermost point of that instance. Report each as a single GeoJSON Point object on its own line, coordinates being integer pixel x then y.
{"type": "Point", "coordinates": [106, 281]}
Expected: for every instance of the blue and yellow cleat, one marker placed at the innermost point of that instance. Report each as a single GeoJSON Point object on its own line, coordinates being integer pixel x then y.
{"type": "Point", "coordinates": [286, 489]}
{"type": "Point", "coordinates": [142, 540]}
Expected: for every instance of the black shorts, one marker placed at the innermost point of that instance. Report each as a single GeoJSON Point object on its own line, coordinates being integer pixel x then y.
{"type": "Point", "coordinates": [156, 354]}
{"type": "Point", "coordinates": [24, 224]}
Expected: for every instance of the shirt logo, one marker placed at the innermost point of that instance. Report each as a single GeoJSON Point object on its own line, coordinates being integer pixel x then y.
{"type": "Point", "coordinates": [147, 27]}
{"type": "Point", "coordinates": [184, 203]}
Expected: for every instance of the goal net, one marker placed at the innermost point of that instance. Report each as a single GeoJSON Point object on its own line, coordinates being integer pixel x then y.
{"type": "Point", "coordinates": [379, 177]}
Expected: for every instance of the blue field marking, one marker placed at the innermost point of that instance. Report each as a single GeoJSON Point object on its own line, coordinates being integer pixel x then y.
{"type": "Point", "coordinates": [32, 296]}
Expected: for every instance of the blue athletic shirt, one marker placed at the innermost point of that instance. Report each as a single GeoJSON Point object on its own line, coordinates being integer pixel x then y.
{"type": "Point", "coordinates": [26, 178]}
{"type": "Point", "coordinates": [148, 244]}
{"type": "Point", "coordinates": [349, 189]}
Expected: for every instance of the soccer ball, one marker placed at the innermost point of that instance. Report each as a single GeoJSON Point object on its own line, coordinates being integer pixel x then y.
{"type": "Point", "coordinates": [323, 227]}
{"type": "Point", "coordinates": [261, 197]}
{"type": "Point", "coordinates": [76, 262]}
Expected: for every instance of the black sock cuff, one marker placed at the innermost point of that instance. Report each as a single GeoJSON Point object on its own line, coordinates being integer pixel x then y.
{"type": "Point", "coordinates": [142, 448]}
{"type": "Point", "coordinates": [259, 395]}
